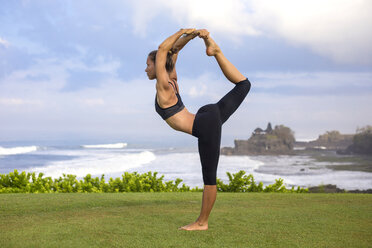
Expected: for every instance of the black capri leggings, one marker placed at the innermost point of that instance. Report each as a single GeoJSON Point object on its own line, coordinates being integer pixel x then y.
{"type": "Point", "coordinates": [207, 128]}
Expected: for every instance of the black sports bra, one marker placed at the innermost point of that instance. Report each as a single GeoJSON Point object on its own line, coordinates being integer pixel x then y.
{"type": "Point", "coordinates": [165, 113]}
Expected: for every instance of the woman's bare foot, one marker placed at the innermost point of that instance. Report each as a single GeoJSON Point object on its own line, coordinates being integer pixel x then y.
{"type": "Point", "coordinates": [196, 226]}
{"type": "Point", "coordinates": [212, 48]}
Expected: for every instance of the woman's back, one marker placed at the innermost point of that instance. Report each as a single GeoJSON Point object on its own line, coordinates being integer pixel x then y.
{"type": "Point", "coordinates": [176, 115]}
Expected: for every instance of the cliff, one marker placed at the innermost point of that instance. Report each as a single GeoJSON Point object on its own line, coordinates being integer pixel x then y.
{"type": "Point", "coordinates": [331, 140]}
{"type": "Point", "coordinates": [281, 141]}
{"type": "Point", "coordinates": [264, 142]}
{"type": "Point", "coordinates": [362, 142]}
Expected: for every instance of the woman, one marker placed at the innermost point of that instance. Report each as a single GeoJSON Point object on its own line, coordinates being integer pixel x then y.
{"type": "Point", "coordinates": [206, 124]}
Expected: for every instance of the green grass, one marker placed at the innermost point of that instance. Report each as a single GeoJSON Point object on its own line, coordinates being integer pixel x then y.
{"type": "Point", "coordinates": [152, 219]}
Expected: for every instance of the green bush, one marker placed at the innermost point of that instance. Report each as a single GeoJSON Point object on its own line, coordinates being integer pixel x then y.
{"type": "Point", "coordinates": [16, 182]}
{"type": "Point", "coordinates": [239, 182]}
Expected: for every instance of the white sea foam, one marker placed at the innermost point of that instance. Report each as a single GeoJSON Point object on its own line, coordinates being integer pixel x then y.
{"type": "Point", "coordinates": [17, 150]}
{"type": "Point", "coordinates": [299, 148]}
{"type": "Point", "coordinates": [306, 172]}
{"type": "Point", "coordinates": [349, 180]}
{"type": "Point", "coordinates": [96, 164]}
{"type": "Point", "coordinates": [107, 146]}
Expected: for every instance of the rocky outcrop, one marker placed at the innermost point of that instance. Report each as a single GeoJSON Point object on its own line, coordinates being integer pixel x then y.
{"type": "Point", "coordinates": [331, 140]}
{"type": "Point", "coordinates": [264, 142]}
{"type": "Point", "coordinates": [362, 142]}
{"type": "Point", "coordinates": [281, 141]}
{"type": "Point", "coordinates": [330, 188]}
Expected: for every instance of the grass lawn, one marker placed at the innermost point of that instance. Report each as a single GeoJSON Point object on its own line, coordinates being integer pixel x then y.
{"type": "Point", "coordinates": [152, 219]}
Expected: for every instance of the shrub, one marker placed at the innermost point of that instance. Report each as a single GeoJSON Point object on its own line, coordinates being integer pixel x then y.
{"type": "Point", "coordinates": [15, 182]}
{"type": "Point", "coordinates": [239, 182]}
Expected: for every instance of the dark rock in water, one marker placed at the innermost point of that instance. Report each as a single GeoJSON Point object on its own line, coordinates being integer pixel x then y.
{"type": "Point", "coordinates": [330, 188]}
{"type": "Point", "coordinates": [367, 191]}
{"type": "Point", "coordinates": [302, 169]}
{"type": "Point", "coordinates": [344, 152]}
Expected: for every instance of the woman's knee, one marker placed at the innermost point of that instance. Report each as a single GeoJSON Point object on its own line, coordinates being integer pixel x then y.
{"type": "Point", "coordinates": [244, 86]}
{"type": "Point", "coordinates": [209, 152]}
{"type": "Point", "coordinates": [210, 178]}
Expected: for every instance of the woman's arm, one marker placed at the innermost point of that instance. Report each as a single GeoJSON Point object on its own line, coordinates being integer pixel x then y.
{"type": "Point", "coordinates": [177, 47]}
{"type": "Point", "coordinates": [161, 57]}
{"type": "Point", "coordinates": [180, 43]}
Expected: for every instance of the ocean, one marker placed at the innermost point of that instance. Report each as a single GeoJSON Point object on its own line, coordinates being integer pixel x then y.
{"type": "Point", "coordinates": [113, 159]}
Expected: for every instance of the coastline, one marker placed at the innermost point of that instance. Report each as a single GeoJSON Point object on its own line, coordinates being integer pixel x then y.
{"type": "Point", "coordinates": [304, 168]}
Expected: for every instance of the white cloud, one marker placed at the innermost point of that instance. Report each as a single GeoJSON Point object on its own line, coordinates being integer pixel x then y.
{"type": "Point", "coordinates": [315, 80]}
{"type": "Point", "coordinates": [338, 29]}
{"type": "Point", "coordinates": [144, 12]}
{"type": "Point", "coordinates": [229, 17]}
{"type": "Point", "coordinates": [92, 102]}
{"type": "Point", "coordinates": [18, 102]}
{"type": "Point", "coordinates": [197, 91]}
{"type": "Point", "coordinates": [4, 42]}
{"type": "Point", "coordinates": [127, 108]}
{"type": "Point", "coordinates": [11, 101]}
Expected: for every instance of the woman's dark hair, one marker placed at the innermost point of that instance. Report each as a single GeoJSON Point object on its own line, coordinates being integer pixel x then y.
{"type": "Point", "coordinates": [169, 65]}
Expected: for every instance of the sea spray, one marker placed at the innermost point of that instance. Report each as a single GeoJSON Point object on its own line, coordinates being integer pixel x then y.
{"type": "Point", "coordinates": [107, 146]}
{"type": "Point", "coordinates": [97, 164]}
{"type": "Point", "coordinates": [17, 150]}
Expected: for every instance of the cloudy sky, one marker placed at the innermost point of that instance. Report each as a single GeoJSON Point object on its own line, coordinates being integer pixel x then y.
{"type": "Point", "coordinates": [75, 69]}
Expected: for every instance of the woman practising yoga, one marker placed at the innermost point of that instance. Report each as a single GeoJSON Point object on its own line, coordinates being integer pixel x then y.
{"type": "Point", "coordinates": [206, 124]}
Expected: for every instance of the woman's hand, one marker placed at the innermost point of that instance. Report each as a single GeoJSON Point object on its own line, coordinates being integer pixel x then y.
{"type": "Point", "coordinates": [169, 42]}
{"type": "Point", "coordinates": [202, 33]}
{"type": "Point", "coordinates": [188, 30]}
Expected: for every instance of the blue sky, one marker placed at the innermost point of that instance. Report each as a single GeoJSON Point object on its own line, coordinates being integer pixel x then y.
{"type": "Point", "coordinates": [75, 69]}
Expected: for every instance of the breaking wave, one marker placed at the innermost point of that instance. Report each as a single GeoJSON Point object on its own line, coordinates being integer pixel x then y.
{"type": "Point", "coordinates": [107, 146]}
{"type": "Point", "coordinates": [17, 150]}
{"type": "Point", "coordinates": [97, 164]}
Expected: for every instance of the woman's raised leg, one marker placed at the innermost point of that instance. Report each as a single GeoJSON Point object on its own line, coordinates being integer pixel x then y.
{"type": "Point", "coordinates": [228, 69]}
{"type": "Point", "coordinates": [232, 100]}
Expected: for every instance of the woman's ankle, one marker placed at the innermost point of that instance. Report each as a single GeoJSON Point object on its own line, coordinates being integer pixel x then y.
{"type": "Point", "coordinates": [202, 222]}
